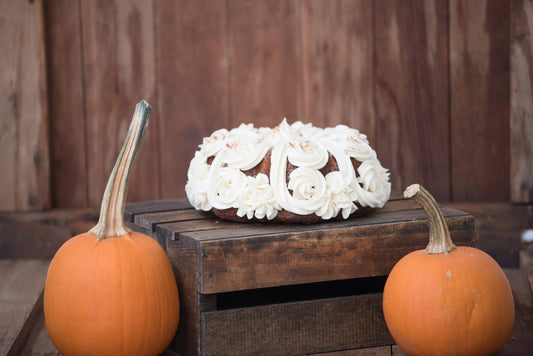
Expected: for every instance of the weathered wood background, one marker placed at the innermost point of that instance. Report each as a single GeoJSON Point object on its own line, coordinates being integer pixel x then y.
{"type": "Point", "coordinates": [442, 88]}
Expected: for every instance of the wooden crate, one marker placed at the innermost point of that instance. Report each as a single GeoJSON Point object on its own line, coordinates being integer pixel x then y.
{"type": "Point", "coordinates": [272, 289]}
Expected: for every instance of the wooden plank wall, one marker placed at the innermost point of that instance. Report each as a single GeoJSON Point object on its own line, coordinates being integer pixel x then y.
{"type": "Point", "coordinates": [479, 99]}
{"type": "Point", "coordinates": [24, 152]}
{"type": "Point", "coordinates": [442, 88]}
{"type": "Point", "coordinates": [521, 101]}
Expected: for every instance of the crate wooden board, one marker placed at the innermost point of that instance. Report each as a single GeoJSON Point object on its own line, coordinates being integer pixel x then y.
{"type": "Point", "coordinates": [296, 328]}
{"type": "Point", "coordinates": [21, 289]}
{"type": "Point", "coordinates": [214, 259]}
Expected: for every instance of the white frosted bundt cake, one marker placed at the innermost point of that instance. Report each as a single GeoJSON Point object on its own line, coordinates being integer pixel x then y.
{"type": "Point", "coordinates": [291, 173]}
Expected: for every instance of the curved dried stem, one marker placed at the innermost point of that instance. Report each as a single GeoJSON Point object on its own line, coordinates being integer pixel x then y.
{"type": "Point", "coordinates": [439, 235]}
{"type": "Point", "coordinates": [111, 221]}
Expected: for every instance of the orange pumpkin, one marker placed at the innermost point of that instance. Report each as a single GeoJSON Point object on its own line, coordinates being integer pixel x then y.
{"type": "Point", "coordinates": [111, 291]}
{"type": "Point", "coordinates": [447, 300]}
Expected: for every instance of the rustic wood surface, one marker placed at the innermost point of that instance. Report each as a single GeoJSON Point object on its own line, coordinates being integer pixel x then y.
{"type": "Point", "coordinates": [40, 234]}
{"type": "Point", "coordinates": [184, 260]}
{"type": "Point", "coordinates": [64, 60]}
{"type": "Point", "coordinates": [521, 99]}
{"type": "Point", "coordinates": [212, 262]}
{"type": "Point", "coordinates": [24, 156]}
{"type": "Point", "coordinates": [263, 49]}
{"type": "Point", "coordinates": [526, 264]}
{"type": "Point", "coordinates": [479, 100]}
{"type": "Point", "coordinates": [297, 328]}
{"type": "Point", "coordinates": [441, 87]}
{"type": "Point", "coordinates": [393, 350]}
{"type": "Point", "coordinates": [192, 84]}
{"type": "Point", "coordinates": [337, 64]}
{"type": "Point", "coordinates": [139, 208]}
{"type": "Point", "coordinates": [118, 71]}
{"type": "Point", "coordinates": [500, 225]}
{"type": "Point", "coordinates": [20, 301]}
{"type": "Point", "coordinates": [314, 254]}
{"type": "Point", "coordinates": [411, 112]}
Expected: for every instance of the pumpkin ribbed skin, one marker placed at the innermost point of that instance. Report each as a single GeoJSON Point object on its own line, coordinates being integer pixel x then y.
{"type": "Point", "coordinates": [447, 300]}
{"type": "Point", "coordinates": [115, 296]}
{"type": "Point", "coordinates": [459, 303]}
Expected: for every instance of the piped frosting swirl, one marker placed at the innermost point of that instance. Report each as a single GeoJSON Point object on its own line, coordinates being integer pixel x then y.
{"type": "Point", "coordinates": [217, 174]}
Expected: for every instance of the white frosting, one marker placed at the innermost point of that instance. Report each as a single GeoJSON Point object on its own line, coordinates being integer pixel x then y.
{"type": "Point", "coordinates": [258, 199]}
{"type": "Point", "coordinates": [196, 187]}
{"type": "Point", "coordinates": [214, 143]}
{"type": "Point", "coordinates": [339, 197]}
{"type": "Point", "coordinates": [223, 183]}
{"type": "Point", "coordinates": [307, 153]}
{"type": "Point", "coordinates": [308, 189]}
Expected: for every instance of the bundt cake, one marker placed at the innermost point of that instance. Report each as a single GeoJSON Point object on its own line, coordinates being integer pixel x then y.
{"type": "Point", "coordinates": [291, 173]}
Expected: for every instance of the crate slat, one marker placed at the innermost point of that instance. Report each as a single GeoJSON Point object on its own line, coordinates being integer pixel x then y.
{"type": "Point", "coordinates": [292, 257]}
{"type": "Point", "coordinates": [133, 209]}
{"type": "Point", "coordinates": [297, 328]}
{"type": "Point", "coordinates": [173, 230]}
{"type": "Point", "coordinates": [375, 218]}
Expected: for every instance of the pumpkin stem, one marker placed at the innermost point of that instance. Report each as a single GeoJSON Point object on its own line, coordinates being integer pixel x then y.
{"type": "Point", "coordinates": [439, 235]}
{"type": "Point", "coordinates": [111, 221]}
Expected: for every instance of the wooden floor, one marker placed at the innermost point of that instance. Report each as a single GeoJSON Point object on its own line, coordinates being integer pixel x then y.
{"type": "Point", "coordinates": [23, 331]}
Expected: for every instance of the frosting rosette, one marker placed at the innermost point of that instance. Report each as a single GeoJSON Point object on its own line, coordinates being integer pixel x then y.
{"type": "Point", "coordinates": [308, 189]}
{"type": "Point", "coordinates": [307, 153]}
{"type": "Point", "coordinates": [375, 183]}
{"type": "Point", "coordinates": [197, 183]}
{"type": "Point", "coordinates": [227, 187]}
{"type": "Point", "coordinates": [243, 154]}
{"type": "Point", "coordinates": [258, 199]}
{"type": "Point", "coordinates": [340, 197]}
{"type": "Point", "coordinates": [290, 173]}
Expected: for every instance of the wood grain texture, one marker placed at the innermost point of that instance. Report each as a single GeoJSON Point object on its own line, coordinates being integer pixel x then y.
{"type": "Point", "coordinates": [150, 221]}
{"type": "Point", "coordinates": [40, 234]}
{"type": "Point", "coordinates": [411, 93]}
{"type": "Point", "coordinates": [132, 209]}
{"type": "Point", "coordinates": [66, 104]}
{"type": "Point", "coordinates": [258, 229]}
{"type": "Point", "coordinates": [367, 351]}
{"type": "Point", "coordinates": [442, 89]}
{"type": "Point", "coordinates": [184, 259]}
{"type": "Point", "coordinates": [397, 351]}
{"type": "Point", "coordinates": [522, 336]}
{"type": "Point", "coordinates": [25, 239]}
{"type": "Point", "coordinates": [20, 301]}
{"type": "Point", "coordinates": [521, 101]}
{"type": "Point", "coordinates": [314, 255]}
{"type": "Point", "coordinates": [526, 265]}
{"type": "Point", "coordinates": [211, 257]}
{"type": "Point", "coordinates": [297, 328]}
{"type": "Point", "coordinates": [263, 55]}
{"type": "Point", "coordinates": [119, 71]}
{"type": "Point", "coordinates": [337, 64]}
{"type": "Point", "coordinates": [173, 230]}
{"type": "Point", "coordinates": [24, 157]}
{"type": "Point", "coordinates": [479, 100]}
{"type": "Point", "coordinates": [499, 226]}
{"type": "Point", "coordinates": [192, 68]}
{"type": "Point", "coordinates": [39, 343]}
